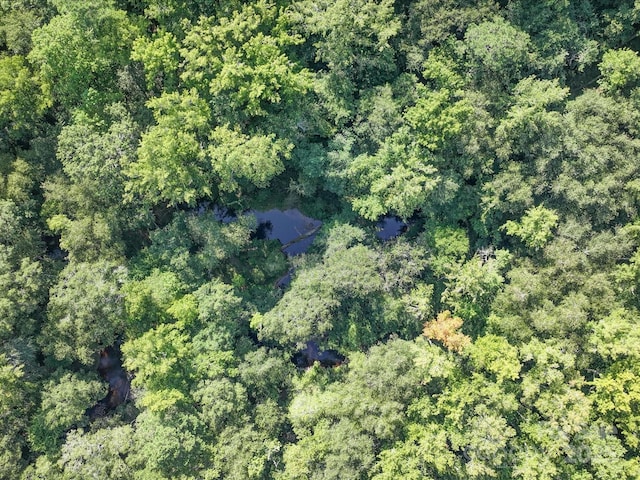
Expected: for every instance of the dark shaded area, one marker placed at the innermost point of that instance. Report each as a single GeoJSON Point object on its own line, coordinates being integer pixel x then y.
{"type": "Point", "coordinates": [111, 370]}
{"type": "Point", "coordinates": [390, 227]}
{"type": "Point", "coordinates": [263, 231]}
{"type": "Point", "coordinates": [294, 230]}
{"type": "Point", "coordinates": [221, 214]}
{"type": "Point", "coordinates": [285, 280]}
{"type": "Point", "coordinates": [308, 356]}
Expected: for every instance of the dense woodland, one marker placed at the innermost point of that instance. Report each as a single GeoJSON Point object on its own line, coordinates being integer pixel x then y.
{"type": "Point", "coordinates": [497, 337]}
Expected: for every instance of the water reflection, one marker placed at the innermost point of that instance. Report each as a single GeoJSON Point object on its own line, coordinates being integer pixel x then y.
{"type": "Point", "coordinates": [390, 227]}
{"type": "Point", "coordinates": [111, 370]}
{"type": "Point", "coordinates": [306, 357]}
{"type": "Point", "coordinates": [295, 231]}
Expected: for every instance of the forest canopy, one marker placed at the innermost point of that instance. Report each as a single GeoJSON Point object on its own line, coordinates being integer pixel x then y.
{"type": "Point", "coordinates": [463, 299]}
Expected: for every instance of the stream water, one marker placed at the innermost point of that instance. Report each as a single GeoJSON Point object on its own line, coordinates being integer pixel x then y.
{"type": "Point", "coordinates": [111, 370]}
{"type": "Point", "coordinates": [390, 227]}
{"type": "Point", "coordinates": [296, 232]}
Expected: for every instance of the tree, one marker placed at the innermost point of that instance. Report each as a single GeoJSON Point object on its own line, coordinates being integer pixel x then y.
{"type": "Point", "coordinates": [615, 336]}
{"type": "Point", "coordinates": [530, 128]}
{"type": "Point", "coordinates": [245, 452]}
{"type": "Point", "coordinates": [353, 43]}
{"type": "Point", "coordinates": [266, 374]}
{"type": "Point", "coordinates": [397, 180]}
{"type": "Point", "coordinates": [412, 170]}
{"type": "Point", "coordinates": [198, 247]}
{"type": "Point", "coordinates": [163, 364]}
{"type": "Point", "coordinates": [160, 58]}
{"type": "Point", "coordinates": [16, 404]}
{"type": "Point", "coordinates": [222, 403]}
{"type": "Point", "coordinates": [240, 65]}
{"type": "Point", "coordinates": [64, 403]}
{"type": "Point", "coordinates": [445, 330]}
{"type": "Point", "coordinates": [22, 281]}
{"type": "Point", "coordinates": [18, 20]}
{"type": "Point", "coordinates": [167, 446]}
{"type": "Point", "coordinates": [498, 53]}
{"type": "Point", "coordinates": [101, 453]}
{"type": "Point", "coordinates": [342, 425]}
{"type": "Point", "coordinates": [85, 312]}
{"type": "Point", "coordinates": [596, 175]}
{"type": "Point", "coordinates": [171, 160]}
{"type": "Point", "coordinates": [78, 50]}
{"type": "Point", "coordinates": [494, 355]}
{"type": "Point", "coordinates": [148, 301]}
{"type": "Point", "coordinates": [85, 204]}
{"type": "Point", "coordinates": [311, 306]}
{"type": "Point", "coordinates": [470, 291]}
{"type": "Point", "coordinates": [620, 71]}
{"type": "Point", "coordinates": [21, 99]}
{"type": "Point", "coordinates": [617, 399]}
{"type": "Point", "coordinates": [428, 24]}
{"type": "Point", "coordinates": [564, 34]}
{"type": "Point", "coordinates": [238, 159]}
{"type": "Point", "coordinates": [535, 227]}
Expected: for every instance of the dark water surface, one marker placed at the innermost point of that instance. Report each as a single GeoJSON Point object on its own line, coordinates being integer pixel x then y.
{"type": "Point", "coordinates": [295, 231]}
{"type": "Point", "coordinates": [390, 227]}
{"type": "Point", "coordinates": [111, 370]}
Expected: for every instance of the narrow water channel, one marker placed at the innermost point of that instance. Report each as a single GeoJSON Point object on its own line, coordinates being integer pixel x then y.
{"type": "Point", "coordinates": [111, 370]}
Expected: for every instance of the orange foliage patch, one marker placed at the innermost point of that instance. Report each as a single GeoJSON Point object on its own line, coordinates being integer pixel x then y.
{"type": "Point", "coordinates": [445, 330]}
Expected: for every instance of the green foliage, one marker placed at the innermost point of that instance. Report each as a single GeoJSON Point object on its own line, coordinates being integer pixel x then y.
{"type": "Point", "coordinates": [411, 170]}
{"type": "Point", "coordinates": [18, 20]}
{"type": "Point", "coordinates": [430, 24]}
{"type": "Point", "coordinates": [161, 361]}
{"type": "Point", "coordinates": [346, 296]}
{"type": "Point", "coordinates": [438, 116]}
{"type": "Point", "coordinates": [167, 446]}
{"type": "Point", "coordinates": [16, 403]}
{"type": "Point", "coordinates": [22, 280]}
{"type": "Point", "coordinates": [245, 453]}
{"type": "Point", "coordinates": [562, 32]}
{"type": "Point", "coordinates": [78, 50]}
{"type": "Point", "coordinates": [126, 126]}
{"type": "Point", "coordinates": [171, 161]}
{"type": "Point", "coordinates": [148, 301]}
{"type": "Point", "coordinates": [498, 52]}
{"type": "Point", "coordinates": [530, 128]}
{"type": "Point", "coordinates": [160, 58]}
{"type": "Point", "coordinates": [310, 308]}
{"type": "Point", "coordinates": [535, 228]}
{"type": "Point", "coordinates": [97, 454]}
{"type": "Point", "coordinates": [239, 62]}
{"type": "Point", "coordinates": [21, 99]}
{"type": "Point", "coordinates": [340, 29]}
{"type": "Point", "coordinates": [494, 355]}
{"type": "Point", "coordinates": [64, 402]}
{"type": "Point", "coordinates": [265, 374]}
{"type": "Point", "coordinates": [617, 399]}
{"type": "Point", "coordinates": [236, 157]}
{"type": "Point", "coordinates": [85, 312]}
{"type": "Point", "coordinates": [85, 203]}
{"type": "Point", "coordinates": [620, 71]}
{"type": "Point", "coordinates": [398, 179]}
{"type": "Point", "coordinates": [614, 336]}
{"type": "Point", "coordinates": [197, 247]}
{"type": "Point", "coordinates": [471, 289]}
{"type": "Point", "coordinates": [341, 427]}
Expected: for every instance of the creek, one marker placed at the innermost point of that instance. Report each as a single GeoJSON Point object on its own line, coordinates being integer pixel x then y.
{"type": "Point", "coordinates": [111, 370]}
